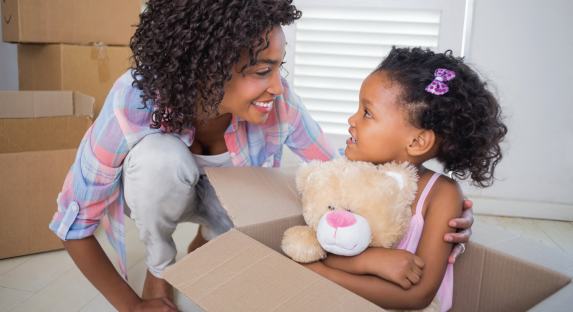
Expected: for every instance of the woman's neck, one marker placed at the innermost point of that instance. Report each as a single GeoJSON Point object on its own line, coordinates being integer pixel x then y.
{"type": "Point", "coordinates": [213, 127]}
{"type": "Point", "coordinates": [210, 135]}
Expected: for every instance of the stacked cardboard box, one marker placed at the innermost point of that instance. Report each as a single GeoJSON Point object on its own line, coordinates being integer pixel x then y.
{"type": "Point", "coordinates": [39, 134]}
{"type": "Point", "coordinates": [91, 69]}
{"type": "Point", "coordinates": [67, 45]}
{"type": "Point", "coordinates": [77, 45]}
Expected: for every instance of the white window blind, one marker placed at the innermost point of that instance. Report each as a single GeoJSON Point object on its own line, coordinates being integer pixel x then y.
{"type": "Point", "coordinates": [336, 44]}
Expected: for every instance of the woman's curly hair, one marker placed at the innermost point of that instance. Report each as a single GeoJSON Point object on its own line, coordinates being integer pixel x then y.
{"type": "Point", "coordinates": [467, 119]}
{"type": "Point", "coordinates": [184, 51]}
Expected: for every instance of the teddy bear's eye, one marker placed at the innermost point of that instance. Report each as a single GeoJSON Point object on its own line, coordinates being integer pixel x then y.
{"type": "Point", "coordinates": [330, 207]}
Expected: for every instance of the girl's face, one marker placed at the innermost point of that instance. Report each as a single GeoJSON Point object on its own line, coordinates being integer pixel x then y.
{"type": "Point", "coordinates": [380, 131]}
{"type": "Point", "coordinates": [250, 94]}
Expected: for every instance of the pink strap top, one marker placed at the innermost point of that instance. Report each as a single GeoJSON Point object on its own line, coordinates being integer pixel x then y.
{"type": "Point", "coordinates": [411, 240]}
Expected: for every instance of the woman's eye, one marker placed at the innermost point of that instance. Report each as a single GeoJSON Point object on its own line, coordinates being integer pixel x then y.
{"type": "Point", "coordinates": [264, 73]}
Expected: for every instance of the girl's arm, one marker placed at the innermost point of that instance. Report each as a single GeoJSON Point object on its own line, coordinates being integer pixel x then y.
{"type": "Point", "coordinates": [360, 264]}
{"type": "Point", "coordinates": [95, 265]}
{"type": "Point", "coordinates": [394, 265]}
{"type": "Point", "coordinates": [443, 204]}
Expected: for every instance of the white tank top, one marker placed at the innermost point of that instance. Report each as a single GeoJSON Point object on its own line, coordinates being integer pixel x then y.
{"type": "Point", "coordinates": [219, 160]}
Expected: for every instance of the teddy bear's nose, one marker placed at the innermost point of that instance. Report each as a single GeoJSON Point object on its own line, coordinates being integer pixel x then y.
{"type": "Point", "coordinates": [340, 218]}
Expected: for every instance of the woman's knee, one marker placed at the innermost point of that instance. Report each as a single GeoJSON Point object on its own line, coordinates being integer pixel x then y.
{"type": "Point", "coordinates": [161, 156]}
{"type": "Point", "coordinates": [159, 179]}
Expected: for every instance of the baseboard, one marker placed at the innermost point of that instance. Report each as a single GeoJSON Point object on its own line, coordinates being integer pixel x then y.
{"type": "Point", "coordinates": [522, 209]}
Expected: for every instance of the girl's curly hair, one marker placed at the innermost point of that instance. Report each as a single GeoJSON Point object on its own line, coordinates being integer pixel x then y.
{"type": "Point", "coordinates": [184, 51]}
{"type": "Point", "coordinates": [467, 119]}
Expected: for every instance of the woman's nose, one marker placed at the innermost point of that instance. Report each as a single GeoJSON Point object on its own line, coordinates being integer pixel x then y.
{"type": "Point", "coordinates": [340, 219]}
{"type": "Point", "coordinates": [276, 88]}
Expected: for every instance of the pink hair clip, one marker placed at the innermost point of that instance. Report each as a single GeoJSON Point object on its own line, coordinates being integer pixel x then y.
{"type": "Point", "coordinates": [438, 86]}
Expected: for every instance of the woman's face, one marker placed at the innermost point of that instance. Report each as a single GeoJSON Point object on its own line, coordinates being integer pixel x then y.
{"type": "Point", "coordinates": [250, 94]}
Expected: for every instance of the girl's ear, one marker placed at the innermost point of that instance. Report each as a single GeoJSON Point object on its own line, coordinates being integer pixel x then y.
{"type": "Point", "coordinates": [422, 143]}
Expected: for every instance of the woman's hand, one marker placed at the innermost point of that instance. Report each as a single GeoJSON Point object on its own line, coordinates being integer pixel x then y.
{"type": "Point", "coordinates": [155, 305]}
{"type": "Point", "coordinates": [464, 227]}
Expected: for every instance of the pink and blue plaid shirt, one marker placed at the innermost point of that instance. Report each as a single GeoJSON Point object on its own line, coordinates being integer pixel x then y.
{"type": "Point", "coordinates": [92, 191]}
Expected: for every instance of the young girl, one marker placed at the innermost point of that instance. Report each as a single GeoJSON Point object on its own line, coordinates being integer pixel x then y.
{"type": "Point", "coordinates": [205, 90]}
{"type": "Point", "coordinates": [416, 106]}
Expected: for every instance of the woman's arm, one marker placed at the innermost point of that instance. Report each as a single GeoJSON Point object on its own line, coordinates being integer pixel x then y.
{"type": "Point", "coordinates": [444, 204]}
{"type": "Point", "coordinates": [96, 267]}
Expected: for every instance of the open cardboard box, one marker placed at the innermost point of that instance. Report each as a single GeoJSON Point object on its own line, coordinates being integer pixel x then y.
{"type": "Point", "coordinates": [245, 270]}
{"type": "Point", "coordinates": [39, 134]}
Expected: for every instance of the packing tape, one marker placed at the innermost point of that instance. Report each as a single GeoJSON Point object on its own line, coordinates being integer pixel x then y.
{"type": "Point", "coordinates": [99, 53]}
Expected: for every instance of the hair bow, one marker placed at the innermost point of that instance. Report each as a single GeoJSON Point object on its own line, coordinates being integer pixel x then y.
{"type": "Point", "coordinates": [438, 86]}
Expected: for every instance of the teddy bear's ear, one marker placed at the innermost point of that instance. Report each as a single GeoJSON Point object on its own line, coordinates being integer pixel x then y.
{"type": "Point", "coordinates": [304, 173]}
{"type": "Point", "coordinates": [406, 175]}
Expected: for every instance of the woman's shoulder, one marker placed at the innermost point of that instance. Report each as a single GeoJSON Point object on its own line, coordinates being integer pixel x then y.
{"type": "Point", "coordinates": [123, 106]}
{"type": "Point", "coordinates": [125, 97]}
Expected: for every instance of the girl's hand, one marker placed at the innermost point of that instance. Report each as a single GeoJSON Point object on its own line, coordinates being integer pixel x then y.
{"type": "Point", "coordinates": [155, 305]}
{"type": "Point", "coordinates": [464, 227]}
{"type": "Point", "coordinates": [398, 266]}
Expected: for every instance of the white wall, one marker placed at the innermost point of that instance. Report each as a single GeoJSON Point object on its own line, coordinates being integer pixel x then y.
{"type": "Point", "coordinates": [526, 49]}
{"type": "Point", "coordinates": [8, 65]}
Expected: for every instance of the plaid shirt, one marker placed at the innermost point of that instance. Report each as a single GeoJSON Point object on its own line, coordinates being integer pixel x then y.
{"type": "Point", "coordinates": [92, 191]}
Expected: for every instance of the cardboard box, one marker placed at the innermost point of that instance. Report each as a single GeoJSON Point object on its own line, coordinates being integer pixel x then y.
{"type": "Point", "coordinates": [70, 21]}
{"type": "Point", "coordinates": [244, 269]}
{"type": "Point", "coordinates": [39, 134]}
{"type": "Point", "coordinates": [88, 69]}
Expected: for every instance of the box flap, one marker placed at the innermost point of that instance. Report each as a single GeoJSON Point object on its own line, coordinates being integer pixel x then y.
{"type": "Point", "coordinates": [34, 104]}
{"type": "Point", "coordinates": [43, 120]}
{"type": "Point", "coordinates": [488, 280]}
{"type": "Point", "coordinates": [236, 273]}
{"type": "Point", "coordinates": [254, 196]}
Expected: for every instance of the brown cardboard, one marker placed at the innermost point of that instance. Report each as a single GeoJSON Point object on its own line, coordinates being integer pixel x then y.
{"type": "Point", "coordinates": [39, 134]}
{"type": "Point", "coordinates": [234, 272]}
{"type": "Point", "coordinates": [65, 21]}
{"type": "Point", "coordinates": [89, 69]}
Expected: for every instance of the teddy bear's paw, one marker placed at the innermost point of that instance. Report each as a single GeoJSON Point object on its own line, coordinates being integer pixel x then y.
{"type": "Point", "coordinates": [301, 245]}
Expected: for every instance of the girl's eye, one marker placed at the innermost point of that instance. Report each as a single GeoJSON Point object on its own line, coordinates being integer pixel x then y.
{"type": "Point", "coordinates": [367, 113]}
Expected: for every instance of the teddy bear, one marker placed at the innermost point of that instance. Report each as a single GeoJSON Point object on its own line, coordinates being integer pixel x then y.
{"type": "Point", "coordinates": [349, 206]}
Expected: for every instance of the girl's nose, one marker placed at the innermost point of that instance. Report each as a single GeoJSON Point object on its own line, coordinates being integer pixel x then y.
{"type": "Point", "coordinates": [340, 219]}
{"type": "Point", "coordinates": [351, 120]}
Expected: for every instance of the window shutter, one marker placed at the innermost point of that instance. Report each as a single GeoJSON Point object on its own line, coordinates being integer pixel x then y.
{"type": "Point", "coordinates": [338, 43]}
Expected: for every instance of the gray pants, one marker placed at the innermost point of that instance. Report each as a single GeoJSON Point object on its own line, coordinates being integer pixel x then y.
{"type": "Point", "coordinates": [162, 187]}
